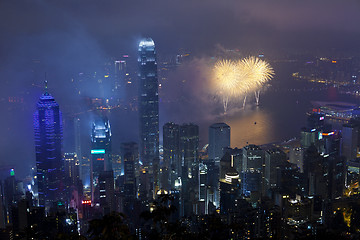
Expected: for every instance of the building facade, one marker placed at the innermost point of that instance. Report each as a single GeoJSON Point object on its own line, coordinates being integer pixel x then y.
{"type": "Point", "coordinates": [48, 131]}
{"type": "Point", "coordinates": [148, 112]}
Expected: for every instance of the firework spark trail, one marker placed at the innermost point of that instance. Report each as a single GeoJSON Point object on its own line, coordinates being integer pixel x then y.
{"type": "Point", "coordinates": [225, 82]}
{"type": "Point", "coordinates": [232, 80]}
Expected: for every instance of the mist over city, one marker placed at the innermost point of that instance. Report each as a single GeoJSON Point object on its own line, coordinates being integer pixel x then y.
{"type": "Point", "coordinates": [202, 108]}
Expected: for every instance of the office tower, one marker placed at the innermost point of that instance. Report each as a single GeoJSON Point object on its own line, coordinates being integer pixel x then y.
{"type": "Point", "coordinates": [203, 175]}
{"type": "Point", "coordinates": [350, 134]}
{"type": "Point", "coordinates": [252, 158]}
{"type": "Point", "coordinates": [100, 153]}
{"type": "Point", "coordinates": [296, 156]}
{"type": "Point", "coordinates": [337, 166]}
{"type": "Point", "coordinates": [219, 138]}
{"type": "Point", "coordinates": [107, 192]}
{"type": "Point", "coordinates": [148, 112]}
{"type": "Point", "coordinates": [116, 164]}
{"type": "Point", "coordinates": [120, 73]}
{"type": "Point", "coordinates": [291, 181]}
{"type": "Point", "coordinates": [253, 161]}
{"type": "Point", "coordinates": [316, 170]}
{"type": "Point", "coordinates": [212, 195]}
{"type": "Point", "coordinates": [48, 147]}
{"type": "Point", "coordinates": [72, 168]}
{"type": "Point", "coordinates": [229, 192]}
{"type": "Point", "coordinates": [130, 185]}
{"type": "Point", "coordinates": [130, 159]}
{"type": "Point", "coordinates": [308, 137]}
{"type": "Point", "coordinates": [171, 144]}
{"type": "Point", "coordinates": [130, 166]}
{"type": "Point", "coordinates": [332, 142]}
{"type": "Point", "coordinates": [84, 175]}
{"type": "Point", "coordinates": [275, 159]}
{"type": "Point", "coordinates": [129, 173]}
{"type": "Point", "coordinates": [189, 143]}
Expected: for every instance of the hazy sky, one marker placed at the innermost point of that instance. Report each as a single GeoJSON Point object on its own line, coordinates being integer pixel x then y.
{"type": "Point", "coordinates": [70, 36]}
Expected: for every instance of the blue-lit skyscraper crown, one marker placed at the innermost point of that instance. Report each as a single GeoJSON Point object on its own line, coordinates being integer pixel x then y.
{"type": "Point", "coordinates": [48, 132]}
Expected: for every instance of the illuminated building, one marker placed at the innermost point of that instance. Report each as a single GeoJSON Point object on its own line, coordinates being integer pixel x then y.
{"type": "Point", "coordinates": [309, 137]}
{"type": "Point", "coordinates": [120, 73]}
{"type": "Point", "coordinates": [171, 144]}
{"type": "Point", "coordinates": [219, 138]}
{"type": "Point", "coordinates": [130, 158]}
{"type": "Point", "coordinates": [107, 192]}
{"type": "Point", "coordinates": [100, 153]}
{"type": "Point", "coordinates": [229, 192]}
{"type": "Point", "coordinates": [203, 175]}
{"type": "Point", "coordinates": [202, 181]}
{"type": "Point", "coordinates": [72, 168]}
{"type": "Point", "coordinates": [350, 133]}
{"type": "Point", "coordinates": [252, 158]}
{"type": "Point", "coordinates": [48, 131]}
{"type": "Point", "coordinates": [296, 156]}
{"type": "Point", "coordinates": [275, 159]}
{"type": "Point", "coordinates": [148, 112]}
{"type": "Point", "coordinates": [253, 161]}
{"type": "Point", "coordinates": [336, 110]}
{"type": "Point", "coordinates": [189, 143]}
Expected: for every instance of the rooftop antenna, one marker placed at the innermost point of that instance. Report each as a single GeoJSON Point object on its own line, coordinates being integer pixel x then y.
{"type": "Point", "coordinates": [46, 84]}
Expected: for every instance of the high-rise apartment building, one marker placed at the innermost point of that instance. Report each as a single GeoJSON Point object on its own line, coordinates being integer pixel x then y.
{"type": "Point", "coordinates": [48, 131]}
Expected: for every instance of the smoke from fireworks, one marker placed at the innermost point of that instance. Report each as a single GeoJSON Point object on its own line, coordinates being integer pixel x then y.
{"type": "Point", "coordinates": [232, 80]}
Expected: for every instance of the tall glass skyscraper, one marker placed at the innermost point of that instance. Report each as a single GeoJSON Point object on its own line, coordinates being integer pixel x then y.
{"type": "Point", "coordinates": [100, 154]}
{"type": "Point", "coordinates": [219, 138]}
{"type": "Point", "coordinates": [148, 109]}
{"type": "Point", "coordinates": [48, 131]}
{"type": "Point", "coordinates": [172, 154]}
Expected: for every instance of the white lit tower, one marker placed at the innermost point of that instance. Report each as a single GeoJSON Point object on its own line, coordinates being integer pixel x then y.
{"type": "Point", "coordinates": [149, 114]}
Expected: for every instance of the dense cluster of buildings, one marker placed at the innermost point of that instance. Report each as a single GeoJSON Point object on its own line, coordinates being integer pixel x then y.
{"type": "Point", "coordinates": [300, 188]}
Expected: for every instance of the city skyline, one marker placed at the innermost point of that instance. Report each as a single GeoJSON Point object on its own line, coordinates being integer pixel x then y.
{"type": "Point", "coordinates": [77, 44]}
{"type": "Point", "coordinates": [184, 120]}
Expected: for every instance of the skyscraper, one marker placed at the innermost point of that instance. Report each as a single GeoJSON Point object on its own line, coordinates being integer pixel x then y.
{"type": "Point", "coordinates": [100, 153]}
{"type": "Point", "coordinates": [350, 134]}
{"type": "Point", "coordinates": [219, 138]}
{"type": "Point", "coordinates": [48, 131]}
{"type": "Point", "coordinates": [189, 144]}
{"type": "Point", "coordinates": [171, 144]}
{"type": "Point", "coordinates": [148, 109]}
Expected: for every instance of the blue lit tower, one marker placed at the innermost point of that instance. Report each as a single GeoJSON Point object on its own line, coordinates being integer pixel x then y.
{"type": "Point", "coordinates": [48, 131]}
{"type": "Point", "coordinates": [148, 110]}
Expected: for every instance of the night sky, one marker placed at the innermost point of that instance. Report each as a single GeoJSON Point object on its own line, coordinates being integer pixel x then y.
{"type": "Point", "coordinates": [68, 37]}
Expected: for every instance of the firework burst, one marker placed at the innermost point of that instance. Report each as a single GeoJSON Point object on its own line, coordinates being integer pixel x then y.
{"type": "Point", "coordinates": [232, 80]}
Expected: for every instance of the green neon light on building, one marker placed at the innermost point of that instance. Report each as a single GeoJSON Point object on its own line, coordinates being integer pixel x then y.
{"type": "Point", "coordinates": [98, 151]}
